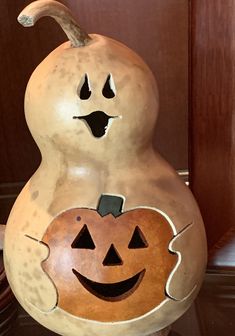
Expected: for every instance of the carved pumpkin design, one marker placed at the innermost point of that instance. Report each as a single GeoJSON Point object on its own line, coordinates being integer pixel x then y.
{"type": "Point", "coordinates": [98, 258]}
{"type": "Point", "coordinates": [91, 106]}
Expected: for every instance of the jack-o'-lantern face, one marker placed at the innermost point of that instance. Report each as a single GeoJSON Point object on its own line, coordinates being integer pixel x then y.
{"type": "Point", "coordinates": [107, 265]}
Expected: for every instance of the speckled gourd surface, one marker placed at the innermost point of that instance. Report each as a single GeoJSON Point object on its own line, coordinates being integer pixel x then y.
{"type": "Point", "coordinates": [104, 239]}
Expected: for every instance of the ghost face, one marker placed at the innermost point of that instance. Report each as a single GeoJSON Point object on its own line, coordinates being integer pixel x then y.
{"type": "Point", "coordinates": [91, 97]}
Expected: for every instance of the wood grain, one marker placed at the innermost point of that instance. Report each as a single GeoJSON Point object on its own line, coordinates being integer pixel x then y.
{"type": "Point", "coordinates": [8, 306]}
{"type": "Point", "coordinates": [212, 113]}
{"type": "Point", "coordinates": [222, 255]}
{"type": "Point", "coordinates": [215, 304]}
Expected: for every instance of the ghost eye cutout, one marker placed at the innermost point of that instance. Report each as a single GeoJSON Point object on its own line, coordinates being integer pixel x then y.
{"type": "Point", "coordinates": [83, 240]}
{"type": "Point", "coordinates": [109, 91]}
{"type": "Point", "coordinates": [84, 91]}
{"type": "Point", "coordinates": [138, 240]}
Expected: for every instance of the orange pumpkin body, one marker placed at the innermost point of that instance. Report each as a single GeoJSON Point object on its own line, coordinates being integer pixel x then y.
{"type": "Point", "coordinates": [109, 268]}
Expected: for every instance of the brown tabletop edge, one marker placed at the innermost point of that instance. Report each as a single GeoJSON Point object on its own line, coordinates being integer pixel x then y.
{"type": "Point", "coordinates": [221, 256]}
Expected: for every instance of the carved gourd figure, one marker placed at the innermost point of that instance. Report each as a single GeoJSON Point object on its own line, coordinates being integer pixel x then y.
{"type": "Point", "coordinates": [104, 239]}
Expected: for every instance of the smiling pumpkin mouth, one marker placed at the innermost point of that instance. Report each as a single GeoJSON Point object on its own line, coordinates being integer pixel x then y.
{"type": "Point", "coordinates": [97, 121]}
{"type": "Point", "coordinates": [111, 291]}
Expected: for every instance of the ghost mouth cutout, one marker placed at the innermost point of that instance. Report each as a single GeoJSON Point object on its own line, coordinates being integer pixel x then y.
{"type": "Point", "coordinates": [98, 122]}
{"type": "Point", "coordinates": [111, 291]}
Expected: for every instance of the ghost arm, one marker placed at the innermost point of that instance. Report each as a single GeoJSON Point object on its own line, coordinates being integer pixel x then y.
{"type": "Point", "coordinates": [188, 274]}
{"type": "Point", "coordinates": [38, 290]}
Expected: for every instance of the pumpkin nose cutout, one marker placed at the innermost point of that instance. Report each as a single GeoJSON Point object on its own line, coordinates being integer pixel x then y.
{"type": "Point", "coordinates": [112, 257]}
{"type": "Point", "coordinates": [97, 121]}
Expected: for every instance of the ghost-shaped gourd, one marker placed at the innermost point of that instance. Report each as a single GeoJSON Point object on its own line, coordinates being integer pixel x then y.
{"type": "Point", "coordinates": [104, 239]}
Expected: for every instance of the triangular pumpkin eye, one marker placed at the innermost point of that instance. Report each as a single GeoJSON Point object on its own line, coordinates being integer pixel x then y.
{"type": "Point", "coordinates": [109, 88]}
{"type": "Point", "coordinates": [83, 240]}
{"type": "Point", "coordinates": [138, 240]}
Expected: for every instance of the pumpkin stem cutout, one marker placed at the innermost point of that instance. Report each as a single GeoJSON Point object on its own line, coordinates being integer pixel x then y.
{"type": "Point", "coordinates": [109, 204]}
{"type": "Point", "coordinates": [38, 9]}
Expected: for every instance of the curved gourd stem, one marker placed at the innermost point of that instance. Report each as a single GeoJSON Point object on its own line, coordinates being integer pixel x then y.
{"type": "Point", "coordinates": [38, 9]}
